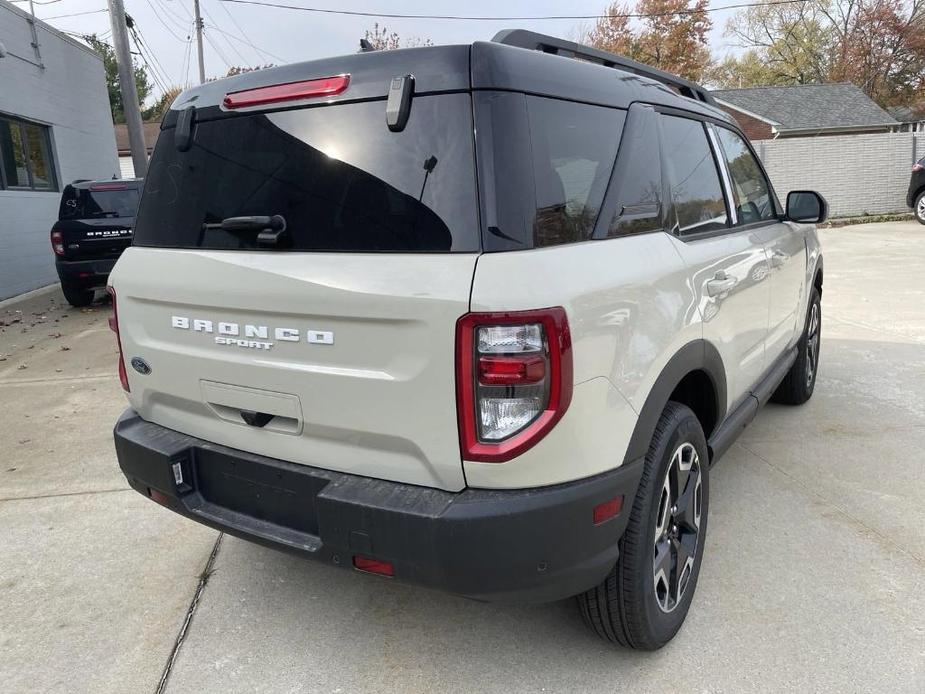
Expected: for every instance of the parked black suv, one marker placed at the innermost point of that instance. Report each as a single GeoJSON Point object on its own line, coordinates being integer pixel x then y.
{"type": "Point", "coordinates": [94, 226]}
{"type": "Point", "coordinates": [915, 198]}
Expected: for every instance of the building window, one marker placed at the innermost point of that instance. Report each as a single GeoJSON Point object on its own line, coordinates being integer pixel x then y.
{"type": "Point", "coordinates": [26, 161]}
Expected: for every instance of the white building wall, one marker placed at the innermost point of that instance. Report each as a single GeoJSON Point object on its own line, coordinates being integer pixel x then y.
{"type": "Point", "coordinates": [69, 95]}
{"type": "Point", "coordinates": [126, 167]}
{"type": "Point", "coordinates": [857, 174]}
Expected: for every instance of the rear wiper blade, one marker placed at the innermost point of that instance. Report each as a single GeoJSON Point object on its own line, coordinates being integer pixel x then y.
{"type": "Point", "coordinates": [271, 229]}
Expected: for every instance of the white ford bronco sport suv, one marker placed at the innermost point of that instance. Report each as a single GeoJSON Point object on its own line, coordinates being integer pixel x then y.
{"type": "Point", "coordinates": [474, 317]}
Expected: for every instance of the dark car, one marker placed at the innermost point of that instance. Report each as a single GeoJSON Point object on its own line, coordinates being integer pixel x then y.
{"type": "Point", "coordinates": [915, 198]}
{"type": "Point", "coordinates": [94, 226]}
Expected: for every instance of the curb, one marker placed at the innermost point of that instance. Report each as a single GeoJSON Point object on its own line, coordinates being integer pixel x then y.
{"type": "Point", "coordinates": [41, 291]}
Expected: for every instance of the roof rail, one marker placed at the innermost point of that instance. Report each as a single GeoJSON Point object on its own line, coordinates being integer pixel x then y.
{"type": "Point", "coordinates": [521, 38]}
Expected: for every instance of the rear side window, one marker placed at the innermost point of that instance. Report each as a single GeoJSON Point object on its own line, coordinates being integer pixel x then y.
{"type": "Point", "coordinates": [752, 193]}
{"type": "Point", "coordinates": [107, 201]}
{"type": "Point", "coordinates": [340, 179]}
{"type": "Point", "coordinates": [574, 147]}
{"type": "Point", "coordinates": [696, 192]}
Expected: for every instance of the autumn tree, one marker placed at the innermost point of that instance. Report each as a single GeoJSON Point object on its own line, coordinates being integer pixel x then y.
{"type": "Point", "coordinates": [878, 45]}
{"type": "Point", "coordinates": [381, 39]}
{"type": "Point", "coordinates": [162, 105]}
{"type": "Point", "coordinates": [667, 34]}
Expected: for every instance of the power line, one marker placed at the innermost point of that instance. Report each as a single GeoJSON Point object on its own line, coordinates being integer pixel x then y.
{"type": "Point", "coordinates": [247, 40]}
{"type": "Point", "coordinates": [165, 25]}
{"type": "Point", "coordinates": [266, 53]}
{"type": "Point", "coordinates": [157, 71]}
{"type": "Point", "coordinates": [396, 15]}
{"type": "Point", "coordinates": [74, 14]}
{"type": "Point", "coordinates": [178, 22]}
{"type": "Point", "coordinates": [184, 70]}
{"type": "Point", "coordinates": [217, 50]}
{"type": "Point", "coordinates": [214, 25]}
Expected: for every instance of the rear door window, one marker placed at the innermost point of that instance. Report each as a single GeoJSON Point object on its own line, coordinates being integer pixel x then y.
{"type": "Point", "coordinates": [340, 179]}
{"type": "Point", "coordinates": [696, 191]}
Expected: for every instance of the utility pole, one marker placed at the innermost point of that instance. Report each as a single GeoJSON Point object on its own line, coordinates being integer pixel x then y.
{"type": "Point", "coordinates": [127, 87]}
{"type": "Point", "coordinates": [202, 65]}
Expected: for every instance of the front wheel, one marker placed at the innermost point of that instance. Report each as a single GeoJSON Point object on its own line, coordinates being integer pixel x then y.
{"type": "Point", "coordinates": [800, 382]}
{"type": "Point", "coordinates": [919, 208]}
{"type": "Point", "coordinates": [643, 601]}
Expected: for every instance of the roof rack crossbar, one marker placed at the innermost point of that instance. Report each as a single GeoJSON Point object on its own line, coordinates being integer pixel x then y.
{"type": "Point", "coordinates": [521, 38]}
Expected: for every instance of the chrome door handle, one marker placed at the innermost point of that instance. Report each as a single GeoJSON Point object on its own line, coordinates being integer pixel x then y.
{"type": "Point", "coordinates": [720, 284]}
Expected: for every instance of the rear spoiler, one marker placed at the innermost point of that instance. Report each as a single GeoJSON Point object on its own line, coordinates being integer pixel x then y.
{"type": "Point", "coordinates": [521, 38]}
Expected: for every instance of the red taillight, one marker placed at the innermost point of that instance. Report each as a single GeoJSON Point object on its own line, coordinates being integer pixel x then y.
{"type": "Point", "coordinates": [108, 186]}
{"type": "Point", "coordinates": [513, 380]}
{"type": "Point", "coordinates": [917, 167]}
{"type": "Point", "coordinates": [57, 242]}
{"type": "Point", "coordinates": [114, 326]}
{"type": "Point", "coordinates": [373, 566]}
{"type": "Point", "coordinates": [511, 371]}
{"type": "Point", "coordinates": [291, 91]}
{"type": "Point", "coordinates": [607, 510]}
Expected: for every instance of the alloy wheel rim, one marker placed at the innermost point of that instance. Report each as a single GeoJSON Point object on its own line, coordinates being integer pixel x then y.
{"type": "Point", "coordinates": [812, 344]}
{"type": "Point", "coordinates": [920, 208]}
{"type": "Point", "coordinates": [677, 527]}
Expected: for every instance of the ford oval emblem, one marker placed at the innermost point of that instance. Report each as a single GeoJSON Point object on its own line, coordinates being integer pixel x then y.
{"type": "Point", "coordinates": [141, 366]}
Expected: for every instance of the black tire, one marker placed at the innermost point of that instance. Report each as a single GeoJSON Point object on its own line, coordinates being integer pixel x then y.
{"type": "Point", "coordinates": [800, 382]}
{"type": "Point", "coordinates": [77, 296]}
{"type": "Point", "coordinates": [919, 208]}
{"type": "Point", "coordinates": [627, 608]}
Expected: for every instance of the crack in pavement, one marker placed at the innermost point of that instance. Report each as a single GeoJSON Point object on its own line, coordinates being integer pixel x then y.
{"type": "Point", "coordinates": [53, 496]}
{"type": "Point", "coordinates": [810, 490]}
{"type": "Point", "coordinates": [194, 603]}
{"type": "Point", "coordinates": [54, 379]}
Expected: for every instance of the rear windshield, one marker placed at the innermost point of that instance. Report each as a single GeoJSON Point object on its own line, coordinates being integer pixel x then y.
{"type": "Point", "coordinates": [337, 175]}
{"type": "Point", "coordinates": [105, 203]}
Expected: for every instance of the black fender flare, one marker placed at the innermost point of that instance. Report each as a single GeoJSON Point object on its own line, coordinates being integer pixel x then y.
{"type": "Point", "coordinates": [697, 355]}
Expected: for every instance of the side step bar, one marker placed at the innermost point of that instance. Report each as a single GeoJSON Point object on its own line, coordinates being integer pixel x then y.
{"type": "Point", "coordinates": [727, 432]}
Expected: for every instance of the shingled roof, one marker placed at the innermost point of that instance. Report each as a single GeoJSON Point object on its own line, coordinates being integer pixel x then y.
{"type": "Point", "coordinates": [150, 130]}
{"type": "Point", "coordinates": [838, 106]}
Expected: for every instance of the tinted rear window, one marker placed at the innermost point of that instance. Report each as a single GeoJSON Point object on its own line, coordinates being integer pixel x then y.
{"type": "Point", "coordinates": [574, 147]}
{"type": "Point", "coordinates": [339, 177]}
{"type": "Point", "coordinates": [84, 203]}
{"type": "Point", "coordinates": [544, 166]}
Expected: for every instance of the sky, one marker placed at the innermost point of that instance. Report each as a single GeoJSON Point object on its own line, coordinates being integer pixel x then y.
{"type": "Point", "coordinates": [240, 34]}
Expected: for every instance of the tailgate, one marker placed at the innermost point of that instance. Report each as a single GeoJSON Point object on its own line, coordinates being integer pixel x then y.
{"type": "Point", "coordinates": [351, 356]}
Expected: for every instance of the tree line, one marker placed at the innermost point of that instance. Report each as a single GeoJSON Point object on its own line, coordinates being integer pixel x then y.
{"type": "Point", "coordinates": [879, 45]}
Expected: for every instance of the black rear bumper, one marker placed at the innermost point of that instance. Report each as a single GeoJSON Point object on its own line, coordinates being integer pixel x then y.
{"type": "Point", "coordinates": [87, 274]}
{"type": "Point", "coordinates": [532, 545]}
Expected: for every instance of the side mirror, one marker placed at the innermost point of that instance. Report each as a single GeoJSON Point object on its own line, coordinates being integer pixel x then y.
{"type": "Point", "coordinates": [806, 206]}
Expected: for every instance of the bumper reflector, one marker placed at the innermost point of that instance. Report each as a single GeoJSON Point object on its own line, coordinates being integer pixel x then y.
{"type": "Point", "coordinates": [607, 510]}
{"type": "Point", "coordinates": [373, 566]}
{"type": "Point", "coordinates": [157, 496]}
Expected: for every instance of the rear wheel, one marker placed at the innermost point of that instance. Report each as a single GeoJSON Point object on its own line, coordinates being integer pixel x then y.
{"type": "Point", "coordinates": [77, 296]}
{"type": "Point", "coordinates": [799, 383]}
{"type": "Point", "coordinates": [919, 208]}
{"type": "Point", "coordinates": [645, 598]}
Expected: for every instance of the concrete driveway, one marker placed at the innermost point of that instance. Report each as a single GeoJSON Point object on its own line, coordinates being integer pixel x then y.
{"type": "Point", "coordinates": [813, 580]}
